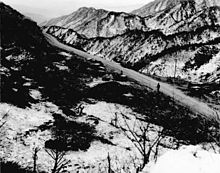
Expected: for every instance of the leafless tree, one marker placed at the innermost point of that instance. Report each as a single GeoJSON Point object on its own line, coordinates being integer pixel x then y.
{"type": "Point", "coordinates": [109, 164]}
{"type": "Point", "coordinates": [114, 121]}
{"type": "Point", "coordinates": [144, 141]}
{"type": "Point", "coordinates": [56, 151]}
{"type": "Point", "coordinates": [3, 121]}
{"type": "Point", "coordinates": [2, 124]}
{"type": "Point", "coordinates": [35, 157]}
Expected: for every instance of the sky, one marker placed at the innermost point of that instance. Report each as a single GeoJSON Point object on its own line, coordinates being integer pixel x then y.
{"type": "Point", "coordinates": [54, 8]}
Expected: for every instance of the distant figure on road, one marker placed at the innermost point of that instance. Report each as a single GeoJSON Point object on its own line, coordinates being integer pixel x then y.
{"type": "Point", "coordinates": [158, 87]}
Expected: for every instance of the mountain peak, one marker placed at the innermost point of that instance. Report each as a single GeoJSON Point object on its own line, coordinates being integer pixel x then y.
{"type": "Point", "coordinates": [86, 8]}
{"type": "Point", "coordinates": [92, 9]}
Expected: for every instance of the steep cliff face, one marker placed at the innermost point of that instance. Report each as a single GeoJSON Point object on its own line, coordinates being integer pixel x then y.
{"type": "Point", "coordinates": [160, 5]}
{"type": "Point", "coordinates": [98, 23]}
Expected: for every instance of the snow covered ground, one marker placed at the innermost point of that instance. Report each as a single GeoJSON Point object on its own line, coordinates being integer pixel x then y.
{"type": "Point", "coordinates": [190, 159]}
{"type": "Point", "coordinates": [21, 134]}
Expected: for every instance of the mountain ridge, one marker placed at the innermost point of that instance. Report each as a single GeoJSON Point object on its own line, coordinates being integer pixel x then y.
{"type": "Point", "coordinates": [93, 22]}
{"type": "Point", "coordinates": [160, 5]}
{"type": "Point", "coordinates": [107, 24]}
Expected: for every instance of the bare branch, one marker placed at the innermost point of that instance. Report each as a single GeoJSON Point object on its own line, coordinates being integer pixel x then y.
{"type": "Point", "coordinates": [51, 153]}
{"type": "Point", "coordinates": [144, 142]}
{"type": "Point", "coordinates": [2, 124]}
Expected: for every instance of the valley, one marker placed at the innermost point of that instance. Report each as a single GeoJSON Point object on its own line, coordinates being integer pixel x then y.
{"type": "Point", "coordinates": [79, 93]}
{"type": "Point", "coordinates": [149, 82]}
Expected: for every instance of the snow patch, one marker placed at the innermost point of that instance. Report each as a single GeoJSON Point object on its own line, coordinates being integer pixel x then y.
{"type": "Point", "coordinates": [65, 54]}
{"type": "Point", "coordinates": [95, 82]}
{"type": "Point", "coordinates": [190, 159]}
{"type": "Point", "coordinates": [209, 68]}
{"type": "Point", "coordinates": [35, 94]}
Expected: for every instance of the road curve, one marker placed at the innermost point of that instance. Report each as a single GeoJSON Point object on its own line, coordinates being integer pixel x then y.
{"type": "Point", "coordinates": [193, 104]}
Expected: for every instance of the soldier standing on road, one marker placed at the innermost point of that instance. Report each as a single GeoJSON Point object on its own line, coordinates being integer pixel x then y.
{"type": "Point", "coordinates": [158, 87]}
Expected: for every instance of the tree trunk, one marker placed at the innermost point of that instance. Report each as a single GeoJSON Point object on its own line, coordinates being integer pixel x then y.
{"type": "Point", "coordinates": [109, 164]}
{"type": "Point", "coordinates": [55, 164]}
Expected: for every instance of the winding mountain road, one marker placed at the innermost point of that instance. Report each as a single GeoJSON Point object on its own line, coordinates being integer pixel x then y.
{"type": "Point", "coordinates": [193, 104]}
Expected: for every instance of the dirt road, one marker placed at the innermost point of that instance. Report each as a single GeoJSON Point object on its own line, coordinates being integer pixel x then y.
{"type": "Point", "coordinates": [195, 105]}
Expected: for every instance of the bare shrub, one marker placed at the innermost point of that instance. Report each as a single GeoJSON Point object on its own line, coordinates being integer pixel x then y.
{"type": "Point", "coordinates": [146, 138]}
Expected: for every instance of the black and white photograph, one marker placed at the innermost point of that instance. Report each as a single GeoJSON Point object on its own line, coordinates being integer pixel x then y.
{"type": "Point", "coordinates": [109, 86]}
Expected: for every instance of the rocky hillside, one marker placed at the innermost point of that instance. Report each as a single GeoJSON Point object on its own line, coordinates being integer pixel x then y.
{"type": "Point", "coordinates": [93, 22]}
{"type": "Point", "coordinates": [161, 5]}
{"type": "Point", "coordinates": [186, 16]}
{"type": "Point", "coordinates": [136, 49]}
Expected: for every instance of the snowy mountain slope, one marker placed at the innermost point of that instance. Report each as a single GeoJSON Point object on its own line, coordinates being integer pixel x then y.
{"type": "Point", "coordinates": [176, 16]}
{"type": "Point", "coordinates": [184, 17]}
{"type": "Point", "coordinates": [187, 25]}
{"type": "Point", "coordinates": [136, 47]}
{"type": "Point", "coordinates": [168, 16]}
{"type": "Point", "coordinates": [82, 15]}
{"type": "Point", "coordinates": [70, 36]}
{"type": "Point", "coordinates": [160, 5]}
{"type": "Point", "coordinates": [193, 65]}
{"type": "Point", "coordinates": [93, 22]}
